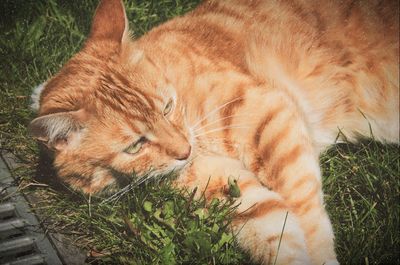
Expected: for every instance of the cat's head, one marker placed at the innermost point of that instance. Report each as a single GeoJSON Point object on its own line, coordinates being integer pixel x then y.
{"type": "Point", "coordinates": [108, 113]}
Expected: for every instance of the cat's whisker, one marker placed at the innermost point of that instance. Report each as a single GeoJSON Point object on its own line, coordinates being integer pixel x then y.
{"type": "Point", "coordinates": [136, 182]}
{"type": "Point", "coordinates": [214, 111]}
{"type": "Point", "coordinates": [230, 125]}
{"type": "Point", "coordinates": [221, 143]}
{"type": "Point", "coordinates": [191, 159]}
{"type": "Point", "coordinates": [221, 129]}
{"type": "Point", "coordinates": [146, 178]}
{"type": "Point", "coordinates": [212, 140]}
{"type": "Point", "coordinates": [117, 195]}
{"type": "Point", "coordinates": [219, 120]}
{"type": "Point", "coordinates": [237, 126]}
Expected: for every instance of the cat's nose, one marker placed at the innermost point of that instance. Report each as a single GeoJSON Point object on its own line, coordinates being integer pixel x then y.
{"type": "Point", "coordinates": [184, 155]}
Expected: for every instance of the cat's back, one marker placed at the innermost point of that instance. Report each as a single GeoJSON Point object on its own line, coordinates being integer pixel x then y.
{"type": "Point", "coordinates": [229, 28]}
{"type": "Point", "coordinates": [300, 34]}
{"type": "Point", "coordinates": [367, 16]}
{"type": "Point", "coordinates": [339, 58]}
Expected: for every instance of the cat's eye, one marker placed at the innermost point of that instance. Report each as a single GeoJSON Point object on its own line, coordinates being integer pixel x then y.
{"type": "Point", "coordinates": [135, 147]}
{"type": "Point", "coordinates": [168, 107]}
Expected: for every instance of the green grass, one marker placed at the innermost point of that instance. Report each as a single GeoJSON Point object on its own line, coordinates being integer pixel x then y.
{"type": "Point", "coordinates": [155, 223]}
{"type": "Point", "coordinates": [362, 189]}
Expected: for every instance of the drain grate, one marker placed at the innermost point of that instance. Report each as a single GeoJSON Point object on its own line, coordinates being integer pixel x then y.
{"type": "Point", "coordinates": [15, 246]}
{"type": "Point", "coordinates": [22, 241]}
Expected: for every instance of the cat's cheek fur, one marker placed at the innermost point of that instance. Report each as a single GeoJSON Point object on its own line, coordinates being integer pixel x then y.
{"type": "Point", "coordinates": [129, 164]}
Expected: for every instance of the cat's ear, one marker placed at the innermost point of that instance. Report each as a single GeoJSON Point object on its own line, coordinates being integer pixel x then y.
{"type": "Point", "coordinates": [58, 130]}
{"type": "Point", "coordinates": [110, 22]}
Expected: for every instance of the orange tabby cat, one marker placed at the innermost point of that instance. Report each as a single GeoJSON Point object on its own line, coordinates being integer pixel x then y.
{"type": "Point", "coordinates": [247, 90]}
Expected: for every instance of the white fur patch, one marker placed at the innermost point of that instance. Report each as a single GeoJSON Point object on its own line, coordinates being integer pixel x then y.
{"type": "Point", "coordinates": [35, 97]}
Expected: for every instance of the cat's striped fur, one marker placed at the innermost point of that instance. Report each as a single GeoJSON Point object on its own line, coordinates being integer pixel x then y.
{"type": "Point", "coordinates": [250, 90]}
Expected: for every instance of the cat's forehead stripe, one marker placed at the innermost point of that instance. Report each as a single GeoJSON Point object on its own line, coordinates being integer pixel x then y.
{"type": "Point", "coordinates": [116, 89]}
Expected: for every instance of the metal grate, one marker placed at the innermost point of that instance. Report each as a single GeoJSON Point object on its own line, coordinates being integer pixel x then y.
{"type": "Point", "coordinates": [22, 241]}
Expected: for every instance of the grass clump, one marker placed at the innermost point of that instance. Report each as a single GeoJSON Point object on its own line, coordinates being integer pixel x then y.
{"type": "Point", "coordinates": [150, 224]}
{"type": "Point", "coordinates": [362, 188]}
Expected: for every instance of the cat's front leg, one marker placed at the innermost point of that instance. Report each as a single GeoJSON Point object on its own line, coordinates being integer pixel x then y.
{"type": "Point", "coordinates": [284, 158]}
{"type": "Point", "coordinates": [264, 225]}
{"type": "Point", "coordinates": [303, 195]}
